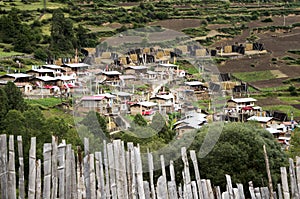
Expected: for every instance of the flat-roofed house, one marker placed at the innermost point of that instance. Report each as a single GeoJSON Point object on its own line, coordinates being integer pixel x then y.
{"type": "Point", "coordinates": [21, 80]}
{"type": "Point", "coordinates": [41, 72]}
{"type": "Point", "coordinates": [132, 70]}
{"type": "Point", "coordinates": [143, 108]}
{"type": "Point", "coordinates": [75, 67]}
{"type": "Point", "coordinates": [111, 78]}
{"type": "Point", "coordinates": [58, 69]}
{"type": "Point", "coordinates": [191, 121]}
{"type": "Point", "coordinates": [165, 102]}
{"type": "Point", "coordinates": [263, 120]}
{"type": "Point", "coordinates": [239, 103]}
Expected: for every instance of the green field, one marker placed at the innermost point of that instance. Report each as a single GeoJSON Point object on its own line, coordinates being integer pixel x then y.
{"type": "Point", "coordinates": [30, 6]}
{"type": "Point", "coordinates": [285, 109]}
{"type": "Point", "coordinates": [254, 76]}
{"type": "Point", "coordinates": [45, 102]}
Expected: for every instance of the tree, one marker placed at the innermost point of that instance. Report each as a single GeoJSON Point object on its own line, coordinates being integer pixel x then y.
{"type": "Point", "coordinates": [139, 120]}
{"type": "Point", "coordinates": [3, 105]}
{"type": "Point", "coordinates": [159, 124]}
{"type": "Point", "coordinates": [239, 153]}
{"type": "Point", "coordinates": [294, 149]}
{"type": "Point", "coordinates": [14, 96]}
{"type": "Point", "coordinates": [96, 124]}
{"type": "Point", "coordinates": [62, 33]}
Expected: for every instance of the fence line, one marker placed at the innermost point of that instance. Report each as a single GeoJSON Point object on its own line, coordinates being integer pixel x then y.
{"type": "Point", "coordinates": [117, 173]}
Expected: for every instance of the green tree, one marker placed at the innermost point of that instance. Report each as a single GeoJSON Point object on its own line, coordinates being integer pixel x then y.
{"type": "Point", "coordinates": [239, 153]}
{"type": "Point", "coordinates": [96, 124]}
{"type": "Point", "coordinates": [3, 105]}
{"type": "Point", "coordinates": [159, 124]}
{"type": "Point", "coordinates": [57, 127]}
{"type": "Point", "coordinates": [14, 123]}
{"type": "Point", "coordinates": [14, 96]}
{"type": "Point", "coordinates": [62, 34]}
{"type": "Point", "coordinates": [294, 149]}
{"type": "Point", "coordinates": [139, 120]}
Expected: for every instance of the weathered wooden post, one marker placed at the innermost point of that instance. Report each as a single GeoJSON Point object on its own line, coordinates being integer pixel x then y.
{"type": "Point", "coordinates": [187, 179]}
{"type": "Point", "coordinates": [68, 171]}
{"type": "Point", "coordinates": [284, 181]}
{"type": "Point", "coordinates": [229, 186]}
{"type": "Point", "coordinates": [279, 191]}
{"type": "Point", "coordinates": [112, 175]}
{"type": "Point", "coordinates": [164, 175]}
{"type": "Point", "coordinates": [151, 169]}
{"type": "Point", "coordinates": [61, 169]}
{"type": "Point", "coordinates": [298, 172]}
{"type": "Point", "coordinates": [21, 169]}
{"type": "Point", "coordinates": [47, 170]}
{"type": "Point", "coordinates": [54, 169]}
{"type": "Point", "coordinates": [3, 166]}
{"type": "Point", "coordinates": [32, 169]}
{"type": "Point", "coordinates": [100, 176]}
{"type": "Point", "coordinates": [133, 187]}
{"type": "Point", "coordinates": [293, 181]}
{"type": "Point", "coordinates": [38, 181]}
{"type": "Point", "coordinates": [86, 165]}
{"type": "Point", "coordinates": [139, 172]}
{"type": "Point", "coordinates": [268, 172]}
{"type": "Point", "coordinates": [11, 182]}
{"type": "Point", "coordinates": [197, 173]}
{"type": "Point", "coordinates": [241, 191]}
{"type": "Point", "coordinates": [251, 190]}
{"type": "Point", "coordinates": [74, 177]}
{"type": "Point", "coordinates": [107, 179]}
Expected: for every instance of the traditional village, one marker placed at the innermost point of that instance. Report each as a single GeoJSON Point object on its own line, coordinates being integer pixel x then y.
{"type": "Point", "coordinates": [148, 80]}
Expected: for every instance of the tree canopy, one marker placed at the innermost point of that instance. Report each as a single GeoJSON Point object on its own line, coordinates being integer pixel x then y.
{"type": "Point", "coordinates": [239, 153]}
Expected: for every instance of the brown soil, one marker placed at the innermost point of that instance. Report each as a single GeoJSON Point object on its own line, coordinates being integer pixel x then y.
{"type": "Point", "coordinates": [178, 24]}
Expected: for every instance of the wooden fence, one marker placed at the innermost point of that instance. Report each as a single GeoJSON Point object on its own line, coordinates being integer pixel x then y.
{"type": "Point", "coordinates": [116, 173]}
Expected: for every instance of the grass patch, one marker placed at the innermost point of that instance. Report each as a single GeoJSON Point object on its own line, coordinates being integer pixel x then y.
{"type": "Point", "coordinates": [254, 76]}
{"type": "Point", "coordinates": [31, 6]}
{"type": "Point", "coordinates": [45, 102]}
{"type": "Point", "coordinates": [284, 108]}
{"type": "Point", "coordinates": [9, 54]}
{"type": "Point", "coordinates": [289, 99]}
{"type": "Point", "coordinates": [278, 88]}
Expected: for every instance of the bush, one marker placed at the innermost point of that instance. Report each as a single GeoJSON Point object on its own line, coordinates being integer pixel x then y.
{"type": "Point", "coordinates": [40, 54]}
{"type": "Point", "coordinates": [267, 20]}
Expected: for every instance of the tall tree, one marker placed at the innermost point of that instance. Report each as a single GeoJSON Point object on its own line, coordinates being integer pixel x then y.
{"type": "Point", "coordinates": [96, 124]}
{"type": "Point", "coordinates": [239, 153]}
{"type": "Point", "coordinates": [14, 96]}
{"type": "Point", "coordinates": [3, 105]}
{"type": "Point", "coordinates": [62, 33]}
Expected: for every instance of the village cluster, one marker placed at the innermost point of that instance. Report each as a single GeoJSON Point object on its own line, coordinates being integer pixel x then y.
{"type": "Point", "coordinates": [147, 81]}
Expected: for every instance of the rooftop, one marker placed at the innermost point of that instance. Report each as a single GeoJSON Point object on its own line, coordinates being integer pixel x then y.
{"type": "Point", "coordinates": [17, 75]}
{"type": "Point", "coordinates": [260, 119]}
{"type": "Point", "coordinates": [77, 65]}
{"type": "Point", "coordinates": [241, 100]}
{"type": "Point", "coordinates": [194, 83]}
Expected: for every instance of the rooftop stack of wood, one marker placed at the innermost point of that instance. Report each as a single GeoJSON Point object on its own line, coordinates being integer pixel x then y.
{"type": "Point", "coordinates": [117, 173]}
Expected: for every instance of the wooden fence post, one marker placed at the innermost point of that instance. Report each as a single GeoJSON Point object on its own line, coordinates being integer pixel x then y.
{"type": "Point", "coordinates": [3, 166]}
{"type": "Point", "coordinates": [187, 179]}
{"type": "Point", "coordinates": [32, 169]}
{"type": "Point", "coordinates": [293, 181]}
{"type": "Point", "coordinates": [47, 170]}
{"type": "Point", "coordinates": [54, 169]}
{"type": "Point", "coordinates": [68, 171]}
{"type": "Point", "coordinates": [197, 173]}
{"type": "Point", "coordinates": [139, 172]}
{"type": "Point", "coordinates": [21, 169]}
{"type": "Point", "coordinates": [11, 182]}
{"type": "Point", "coordinates": [151, 169]}
{"type": "Point", "coordinates": [284, 181]}
{"type": "Point", "coordinates": [86, 164]}
{"type": "Point", "coordinates": [268, 172]}
{"type": "Point", "coordinates": [38, 181]}
{"type": "Point", "coordinates": [61, 169]}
